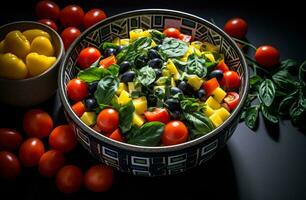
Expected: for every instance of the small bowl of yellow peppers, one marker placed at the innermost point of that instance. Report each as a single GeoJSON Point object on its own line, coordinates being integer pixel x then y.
{"type": "Point", "coordinates": [30, 55]}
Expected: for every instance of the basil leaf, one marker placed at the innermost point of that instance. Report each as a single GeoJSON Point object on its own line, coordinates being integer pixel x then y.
{"type": "Point", "coordinates": [284, 80]}
{"type": "Point", "coordinates": [142, 43]}
{"type": "Point", "coordinates": [288, 64]}
{"type": "Point", "coordinates": [106, 89]}
{"type": "Point", "coordinates": [126, 116]}
{"type": "Point", "coordinates": [157, 36]}
{"type": "Point", "coordinates": [196, 65]}
{"type": "Point", "coordinates": [92, 74]}
{"type": "Point", "coordinates": [114, 69]}
{"type": "Point", "coordinates": [255, 80]}
{"type": "Point", "coordinates": [266, 112]}
{"type": "Point", "coordinates": [180, 64]}
{"type": "Point", "coordinates": [296, 113]}
{"type": "Point", "coordinates": [251, 116]}
{"type": "Point", "coordinates": [286, 103]}
{"type": "Point", "coordinates": [146, 75]}
{"type": "Point", "coordinates": [201, 123]}
{"type": "Point", "coordinates": [302, 72]}
{"type": "Point", "coordinates": [147, 135]}
{"type": "Point", "coordinates": [106, 45]}
{"type": "Point", "coordinates": [267, 92]}
{"type": "Point", "coordinates": [189, 105]}
{"type": "Point", "coordinates": [173, 47]}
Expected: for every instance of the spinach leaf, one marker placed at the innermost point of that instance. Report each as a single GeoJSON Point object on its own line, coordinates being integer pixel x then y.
{"type": "Point", "coordinates": [180, 64]}
{"type": "Point", "coordinates": [190, 104]}
{"type": "Point", "coordinates": [267, 92]}
{"type": "Point", "coordinates": [106, 45]}
{"type": "Point", "coordinates": [146, 76]}
{"type": "Point", "coordinates": [157, 36]}
{"type": "Point", "coordinates": [255, 80]}
{"type": "Point", "coordinates": [173, 47]}
{"type": "Point", "coordinates": [147, 135]}
{"type": "Point", "coordinates": [92, 74]}
{"type": "Point", "coordinates": [114, 69]}
{"type": "Point", "coordinates": [200, 123]}
{"type": "Point", "coordinates": [302, 72]}
{"type": "Point", "coordinates": [268, 115]}
{"type": "Point", "coordinates": [284, 80]}
{"type": "Point", "coordinates": [251, 116]}
{"type": "Point", "coordinates": [126, 116]}
{"type": "Point", "coordinates": [286, 103]}
{"type": "Point", "coordinates": [142, 43]}
{"type": "Point", "coordinates": [106, 89]}
{"type": "Point", "coordinates": [196, 65]}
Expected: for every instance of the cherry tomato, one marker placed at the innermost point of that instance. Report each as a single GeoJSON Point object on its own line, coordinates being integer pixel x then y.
{"type": "Point", "coordinates": [267, 56]}
{"type": "Point", "coordinates": [50, 162]}
{"type": "Point", "coordinates": [108, 120]}
{"type": "Point", "coordinates": [106, 62]}
{"type": "Point", "coordinates": [185, 38]}
{"type": "Point", "coordinates": [62, 138]}
{"type": "Point", "coordinates": [69, 179]}
{"type": "Point", "coordinates": [210, 85]}
{"type": "Point", "coordinates": [236, 27]}
{"type": "Point", "coordinates": [79, 108]}
{"type": "Point", "coordinates": [72, 15]}
{"type": "Point", "coordinates": [116, 135]}
{"type": "Point", "coordinates": [99, 178]}
{"type": "Point", "coordinates": [222, 66]}
{"type": "Point", "coordinates": [232, 100]}
{"type": "Point", "coordinates": [175, 132]}
{"type": "Point", "coordinates": [77, 90]}
{"type": "Point", "coordinates": [172, 32]}
{"type": "Point", "coordinates": [69, 35]}
{"type": "Point", "coordinates": [49, 23]}
{"type": "Point", "coordinates": [158, 114]}
{"type": "Point", "coordinates": [93, 16]}
{"type": "Point", "coordinates": [9, 165]}
{"type": "Point", "coordinates": [47, 10]}
{"type": "Point", "coordinates": [230, 80]}
{"type": "Point", "coordinates": [30, 152]}
{"type": "Point", "coordinates": [87, 57]}
{"type": "Point", "coordinates": [37, 123]}
{"type": "Point", "coordinates": [9, 139]}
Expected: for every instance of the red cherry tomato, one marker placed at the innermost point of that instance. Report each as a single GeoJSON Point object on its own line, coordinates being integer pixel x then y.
{"type": "Point", "coordinates": [185, 38]}
{"type": "Point", "coordinates": [116, 135]}
{"type": "Point", "coordinates": [175, 132]}
{"type": "Point", "coordinates": [210, 85]}
{"type": "Point", "coordinates": [72, 15]}
{"type": "Point", "coordinates": [232, 100]}
{"type": "Point", "coordinates": [77, 90]}
{"type": "Point", "coordinates": [69, 35]}
{"type": "Point", "coordinates": [267, 56]}
{"type": "Point", "coordinates": [106, 62]}
{"type": "Point", "coordinates": [62, 138]}
{"type": "Point", "coordinates": [236, 27]}
{"type": "Point", "coordinates": [93, 16]}
{"type": "Point", "coordinates": [158, 114]}
{"type": "Point", "coordinates": [30, 152]}
{"type": "Point", "coordinates": [79, 108]}
{"type": "Point", "coordinates": [222, 66]}
{"type": "Point", "coordinates": [50, 162]}
{"type": "Point", "coordinates": [108, 120]}
{"type": "Point", "coordinates": [47, 10]}
{"type": "Point", "coordinates": [230, 80]}
{"type": "Point", "coordinates": [9, 165]}
{"type": "Point", "coordinates": [172, 32]}
{"type": "Point", "coordinates": [49, 23]}
{"type": "Point", "coordinates": [99, 178]}
{"type": "Point", "coordinates": [37, 123]}
{"type": "Point", "coordinates": [9, 139]}
{"type": "Point", "coordinates": [87, 57]}
{"type": "Point", "coordinates": [69, 179]}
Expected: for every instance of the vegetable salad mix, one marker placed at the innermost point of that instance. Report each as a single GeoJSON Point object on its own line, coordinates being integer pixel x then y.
{"type": "Point", "coordinates": [153, 88]}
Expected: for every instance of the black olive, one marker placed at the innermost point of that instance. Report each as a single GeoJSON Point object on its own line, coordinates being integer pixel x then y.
{"type": "Point", "coordinates": [109, 52]}
{"type": "Point", "coordinates": [186, 88]}
{"type": "Point", "coordinates": [153, 54]}
{"type": "Point", "coordinates": [158, 72]}
{"type": "Point", "coordinates": [91, 104]}
{"type": "Point", "coordinates": [128, 76]}
{"type": "Point", "coordinates": [173, 104]}
{"type": "Point", "coordinates": [124, 66]}
{"type": "Point", "coordinates": [119, 49]}
{"type": "Point", "coordinates": [175, 90]}
{"type": "Point", "coordinates": [200, 94]}
{"type": "Point", "coordinates": [140, 61]}
{"type": "Point", "coordinates": [218, 74]}
{"type": "Point", "coordinates": [152, 100]}
{"type": "Point", "coordinates": [92, 87]}
{"type": "Point", "coordinates": [155, 63]}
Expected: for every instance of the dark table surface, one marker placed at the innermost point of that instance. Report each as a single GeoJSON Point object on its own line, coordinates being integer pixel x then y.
{"type": "Point", "coordinates": [267, 164]}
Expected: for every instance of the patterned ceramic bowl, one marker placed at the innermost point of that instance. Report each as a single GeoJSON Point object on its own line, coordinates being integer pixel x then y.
{"type": "Point", "coordinates": [153, 161]}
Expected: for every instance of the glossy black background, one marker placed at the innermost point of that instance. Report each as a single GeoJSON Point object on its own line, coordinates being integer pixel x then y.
{"type": "Point", "coordinates": [267, 164]}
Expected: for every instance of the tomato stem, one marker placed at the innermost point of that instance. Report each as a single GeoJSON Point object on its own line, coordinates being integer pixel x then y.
{"type": "Point", "coordinates": [245, 43]}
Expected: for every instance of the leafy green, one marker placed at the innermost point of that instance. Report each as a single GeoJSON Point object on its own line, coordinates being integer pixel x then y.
{"type": "Point", "coordinates": [267, 92]}
{"type": "Point", "coordinates": [255, 80]}
{"type": "Point", "coordinates": [106, 89]}
{"type": "Point", "coordinates": [196, 65]}
{"type": "Point", "coordinates": [251, 116]}
{"type": "Point", "coordinates": [286, 103]}
{"type": "Point", "coordinates": [302, 72]}
{"type": "Point", "coordinates": [173, 47]}
{"type": "Point", "coordinates": [289, 65]}
{"type": "Point", "coordinates": [268, 115]}
{"type": "Point", "coordinates": [114, 69]}
{"type": "Point", "coordinates": [106, 45]}
{"type": "Point", "coordinates": [126, 116]}
{"type": "Point", "coordinates": [146, 75]}
{"type": "Point", "coordinates": [92, 74]}
{"type": "Point", "coordinates": [284, 80]}
{"type": "Point", "coordinates": [157, 36]}
{"type": "Point", "coordinates": [200, 124]}
{"type": "Point", "coordinates": [147, 135]}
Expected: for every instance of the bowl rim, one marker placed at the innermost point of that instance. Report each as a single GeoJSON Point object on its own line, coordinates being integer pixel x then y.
{"type": "Point", "coordinates": [145, 149]}
{"type": "Point", "coordinates": [58, 58]}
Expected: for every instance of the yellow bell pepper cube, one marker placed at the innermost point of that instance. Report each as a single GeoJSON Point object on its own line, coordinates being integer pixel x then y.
{"type": "Point", "coordinates": [153, 44]}
{"type": "Point", "coordinates": [218, 94]}
{"type": "Point", "coordinates": [216, 120]}
{"type": "Point", "coordinates": [124, 42]}
{"type": "Point", "coordinates": [89, 118]}
{"type": "Point", "coordinates": [122, 86]}
{"type": "Point", "coordinates": [213, 103]}
{"type": "Point", "coordinates": [116, 41]}
{"type": "Point", "coordinates": [172, 69]}
{"type": "Point", "coordinates": [140, 105]}
{"type": "Point", "coordinates": [195, 81]}
{"type": "Point", "coordinates": [197, 44]}
{"type": "Point", "coordinates": [210, 56]}
{"type": "Point", "coordinates": [166, 72]}
{"type": "Point", "coordinates": [208, 111]}
{"type": "Point", "coordinates": [137, 120]}
{"type": "Point", "coordinates": [173, 82]}
{"type": "Point", "coordinates": [124, 98]}
{"type": "Point", "coordinates": [135, 34]}
{"type": "Point", "coordinates": [223, 113]}
{"type": "Point", "coordinates": [146, 34]}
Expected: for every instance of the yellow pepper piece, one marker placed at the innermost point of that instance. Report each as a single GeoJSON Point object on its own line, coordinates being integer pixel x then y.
{"type": "Point", "coordinates": [124, 98]}
{"type": "Point", "coordinates": [213, 103]}
{"type": "Point", "coordinates": [223, 113]}
{"type": "Point", "coordinates": [37, 64]}
{"type": "Point", "coordinates": [195, 81]}
{"type": "Point", "coordinates": [210, 56]}
{"type": "Point", "coordinates": [42, 45]}
{"type": "Point", "coordinates": [172, 69]}
{"type": "Point", "coordinates": [208, 111]}
{"type": "Point", "coordinates": [136, 33]}
{"type": "Point", "coordinates": [218, 94]}
{"type": "Point", "coordinates": [124, 42]}
{"type": "Point", "coordinates": [216, 120]}
{"type": "Point", "coordinates": [33, 33]}
{"type": "Point", "coordinates": [197, 44]}
{"type": "Point", "coordinates": [116, 41]}
{"type": "Point", "coordinates": [122, 86]}
{"type": "Point", "coordinates": [2, 50]}
{"type": "Point", "coordinates": [12, 67]}
{"type": "Point", "coordinates": [140, 105]}
{"type": "Point", "coordinates": [16, 43]}
{"type": "Point", "coordinates": [137, 120]}
{"type": "Point", "coordinates": [89, 118]}
{"type": "Point", "coordinates": [209, 47]}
